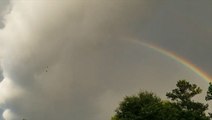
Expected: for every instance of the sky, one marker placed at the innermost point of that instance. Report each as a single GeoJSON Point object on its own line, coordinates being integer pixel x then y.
{"type": "Point", "coordinates": [77, 59]}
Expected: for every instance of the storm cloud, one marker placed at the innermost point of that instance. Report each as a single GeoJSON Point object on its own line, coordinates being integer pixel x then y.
{"type": "Point", "coordinates": [70, 59]}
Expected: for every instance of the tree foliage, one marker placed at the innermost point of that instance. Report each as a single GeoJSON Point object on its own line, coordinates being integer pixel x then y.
{"type": "Point", "coordinates": [184, 91]}
{"type": "Point", "coordinates": [182, 96]}
{"type": "Point", "coordinates": [209, 92]}
{"type": "Point", "coordinates": [148, 106]}
{"type": "Point", "coordinates": [209, 95]}
{"type": "Point", "coordinates": [145, 106]}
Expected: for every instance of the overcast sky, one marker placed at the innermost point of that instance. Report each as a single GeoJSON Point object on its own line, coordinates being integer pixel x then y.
{"type": "Point", "coordinates": [76, 59]}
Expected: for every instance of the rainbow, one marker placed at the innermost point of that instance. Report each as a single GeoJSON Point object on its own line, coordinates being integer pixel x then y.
{"type": "Point", "coordinates": [177, 58]}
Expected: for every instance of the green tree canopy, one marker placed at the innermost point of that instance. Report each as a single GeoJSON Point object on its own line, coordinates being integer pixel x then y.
{"type": "Point", "coordinates": [148, 106]}
{"type": "Point", "coordinates": [209, 95]}
{"type": "Point", "coordinates": [209, 92]}
{"type": "Point", "coordinates": [182, 96]}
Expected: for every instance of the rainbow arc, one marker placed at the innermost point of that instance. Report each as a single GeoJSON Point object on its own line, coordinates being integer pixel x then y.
{"type": "Point", "coordinates": [177, 58]}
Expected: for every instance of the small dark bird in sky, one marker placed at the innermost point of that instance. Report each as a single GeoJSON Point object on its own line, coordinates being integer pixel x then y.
{"type": "Point", "coordinates": [47, 68]}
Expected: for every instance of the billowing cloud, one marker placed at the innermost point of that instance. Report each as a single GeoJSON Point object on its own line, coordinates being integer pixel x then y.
{"type": "Point", "coordinates": [57, 55]}
{"type": "Point", "coordinates": [68, 60]}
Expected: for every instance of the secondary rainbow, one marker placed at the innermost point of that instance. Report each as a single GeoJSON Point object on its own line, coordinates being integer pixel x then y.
{"type": "Point", "coordinates": [177, 58]}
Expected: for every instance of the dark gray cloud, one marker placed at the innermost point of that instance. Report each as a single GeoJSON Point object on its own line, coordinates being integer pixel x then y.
{"type": "Point", "coordinates": [184, 27]}
{"type": "Point", "coordinates": [4, 9]}
{"type": "Point", "coordinates": [1, 74]}
{"type": "Point", "coordinates": [91, 66]}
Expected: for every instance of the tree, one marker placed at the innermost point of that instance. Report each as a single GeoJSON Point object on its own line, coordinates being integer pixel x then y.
{"type": "Point", "coordinates": [209, 92]}
{"type": "Point", "coordinates": [183, 95]}
{"type": "Point", "coordinates": [148, 106]}
{"type": "Point", "coordinates": [209, 95]}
